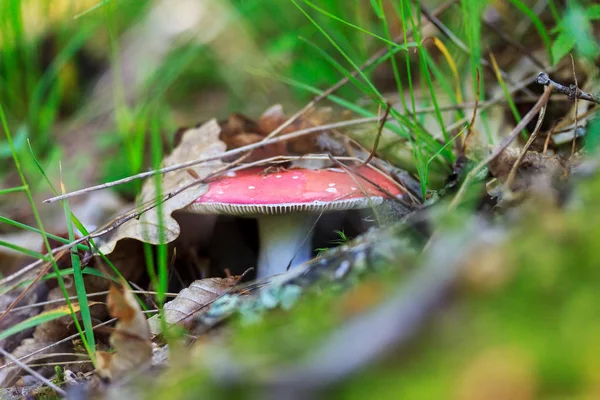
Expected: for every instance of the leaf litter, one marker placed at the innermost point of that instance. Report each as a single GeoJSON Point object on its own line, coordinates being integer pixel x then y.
{"type": "Point", "coordinates": [149, 227]}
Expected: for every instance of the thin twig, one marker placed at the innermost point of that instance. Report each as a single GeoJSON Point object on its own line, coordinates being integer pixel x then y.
{"type": "Point", "coordinates": [32, 372]}
{"type": "Point", "coordinates": [498, 150]}
{"type": "Point", "coordinates": [64, 340]}
{"type": "Point", "coordinates": [571, 91]}
{"type": "Point", "coordinates": [233, 152]}
{"type": "Point", "coordinates": [549, 136]}
{"type": "Point", "coordinates": [89, 295]}
{"type": "Point", "coordinates": [576, 108]}
{"type": "Point", "coordinates": [474, 117]}
{"type": "Point", "coordinates": [25, 270]}
{"type": "Point", "coordinates": [378, 136]}
{"type": "Point", "coordinates": [16, 301]}
{"type": "Point", "coordinates": [513, 171]}
{"type": "Point", "coordinates": [352, 174]}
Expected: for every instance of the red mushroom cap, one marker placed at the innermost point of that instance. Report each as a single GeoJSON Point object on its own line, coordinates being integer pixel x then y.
{"type": "Point", "coordinates": [252, 191]}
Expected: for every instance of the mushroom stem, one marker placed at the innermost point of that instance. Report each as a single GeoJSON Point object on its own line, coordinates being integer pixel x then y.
{"type": "Point", "coordinates": [285, 240]}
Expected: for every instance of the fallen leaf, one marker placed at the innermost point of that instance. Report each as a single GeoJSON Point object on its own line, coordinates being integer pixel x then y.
{"type": "Point", "coordinates": [182, 309]}
{"type": "Point", "coordinates": [236, 124]}
{"type": "Point", "coordinates": [240, 130]}
{"type": "Point", "coordinates": [274, 116]}
{"type": "Point", "coordinates": [130, 338]}
{"type": "Point", "coordinates": [195, 143]}
{"type": "Point", "coordinates": [246, 138]}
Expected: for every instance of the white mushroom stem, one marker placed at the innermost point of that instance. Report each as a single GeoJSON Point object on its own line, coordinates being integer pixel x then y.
{"type": "Point", "coordinates": [285, 240]}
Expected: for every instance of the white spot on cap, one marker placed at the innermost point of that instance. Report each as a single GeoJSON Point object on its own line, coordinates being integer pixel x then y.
{"type": "Point", "coordinates": [277, 176]}
{"type": "Point", "coordinates": [352, 187]}
{"type": "Point", "coordinates": [295, 177]}
{"type": "Point", "coordinates": [331, 190]}
{"type": "Point", "coordinates": [251, 187]}
{"type": "Point", "coordinates": [220, 192]}
{"type": "Point", "coordinates": [230, 174]}
{"type": "Point", "coordinates": [331, 184]}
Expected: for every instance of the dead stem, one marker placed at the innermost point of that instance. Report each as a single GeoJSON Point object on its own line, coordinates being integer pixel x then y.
{"type": "Point", "coordinates": [498, 150]}
{"type": "Point", "coordinates": [378, 136]}
{"type": "Point", "coordinates": [32, 372]}
{"type": "Point", "coordinates": [513, 171]}
{"type": "Point", "coordinates": [18, 361]}
{"type": "Point", "coordinates": [571, 91]}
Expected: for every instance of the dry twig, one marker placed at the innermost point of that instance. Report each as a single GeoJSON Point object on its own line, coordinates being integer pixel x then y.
{"type": "Point", "coordinates": [233, 152]}
{"type": "Point", "coordinates": [513, 171]}
{"type": "Point", "coordinates": [498, 150]}
{"type": "Point", "coordinates": [571, 91]}
{"type": "Point", "coordinates": [32, 372]}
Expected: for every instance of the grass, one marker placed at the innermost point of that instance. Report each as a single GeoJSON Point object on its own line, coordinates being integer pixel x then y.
{"type": "Point", "coordinates": [88, 340]}
{"type": "Point", "coordinates": [308, 47]}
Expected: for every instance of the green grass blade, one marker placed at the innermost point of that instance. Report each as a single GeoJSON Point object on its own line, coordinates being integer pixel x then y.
{"type": "Point", "coordinates": [538, 24]}
{"type": "Point", "coordinates": [372, 90]}
{"type": "Point", "coordinates": [86, 315]}
{"type": "Point", "coordinates": [387, 40]}
{"type": "Point", "coordinates": [38, 220]}
{"type": "Point", "coordinates": [23, 250]}
{"type": "Point", "coordinates": [506, 91]}
{"type": "Point", "coordinates": [20, 225]}
{"type": "Point", "coordinates": [13, 190]}
{"type": "Point", "coordinates": [36, 320]}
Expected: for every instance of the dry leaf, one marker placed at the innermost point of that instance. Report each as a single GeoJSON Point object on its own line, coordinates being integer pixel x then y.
{"type": "Point", "coordinates": [240, 130]}
{"type": "Point", "coordinates": [196, 143]}
{"type": "Point", "coordinates": [274, 116]}
{"type": "Point", "coordinates": [189, 301]}
{"type": "Point", "coordinates": [130, 339]}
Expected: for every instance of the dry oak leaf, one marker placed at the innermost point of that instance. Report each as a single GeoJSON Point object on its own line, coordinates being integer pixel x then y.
{"type": "Point", "coordinates": [189, 301]}
{"type": "Point", "coordinates": [196, 143]}
{"type": "Point", "coordinates": [130, 339]}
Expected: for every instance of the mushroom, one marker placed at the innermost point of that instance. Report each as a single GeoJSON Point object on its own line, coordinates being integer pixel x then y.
{"type": "Point", "coordinates": [287, 204]}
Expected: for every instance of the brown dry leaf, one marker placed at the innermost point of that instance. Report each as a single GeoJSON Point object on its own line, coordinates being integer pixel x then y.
{"type": "Point", "coordinates": [240, 130]}
{"type": "Point", "coordinates": [246, 138]}
{"type": "Point", "coordinates": [190, 300]}
{"type": "Point", "coordinates": [130, 339]}
{"type": "Point", "coordinates": [236, 124]}
{"type": "Point", "coordinates": [274, 116]}
{"type": "Point", "coordinates": [196, 143]}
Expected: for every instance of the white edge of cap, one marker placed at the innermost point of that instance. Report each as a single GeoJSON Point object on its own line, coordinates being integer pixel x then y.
{"type": "Point", "coordinates": [283, 208]}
